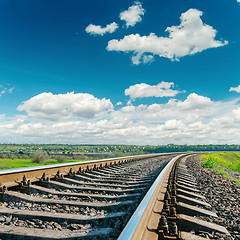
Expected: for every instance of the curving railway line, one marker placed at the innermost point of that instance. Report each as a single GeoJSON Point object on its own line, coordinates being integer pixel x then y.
{"type": "Point", "coordinates": [136, 197]}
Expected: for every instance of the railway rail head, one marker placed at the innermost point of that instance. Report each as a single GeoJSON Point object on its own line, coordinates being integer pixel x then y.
{"type": "Point", "coordinates": [163, 205]}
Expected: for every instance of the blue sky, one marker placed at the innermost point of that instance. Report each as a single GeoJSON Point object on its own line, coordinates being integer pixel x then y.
{"type": "Point", "coordinates": [107, 71]}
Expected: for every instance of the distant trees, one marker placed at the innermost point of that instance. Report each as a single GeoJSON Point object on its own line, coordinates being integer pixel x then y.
{"type": "Point", "coordinates": [39, 156]}
{"type": "Point", "coordinates": [12, 156]}
{"type": "Point", "coordinates": [60, 159]}
{"type": "Point", "coordinates": [2, 155]}
{"type": "Point", "coordinates": [187, 148]}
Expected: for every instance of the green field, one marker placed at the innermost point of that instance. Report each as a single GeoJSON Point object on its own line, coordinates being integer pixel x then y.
{"type": "Point", "coordinates": [21, 163]}
{"type": "Point", "coordinates": [220, 162]}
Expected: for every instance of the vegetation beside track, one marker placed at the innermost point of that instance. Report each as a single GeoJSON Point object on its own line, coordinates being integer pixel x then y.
{"type": "Point", "coordinates": [222, 163]}
{"type": "Point", "coordinates": [21, 163]}
{"type": "Point", "coordinates": [40, 158]}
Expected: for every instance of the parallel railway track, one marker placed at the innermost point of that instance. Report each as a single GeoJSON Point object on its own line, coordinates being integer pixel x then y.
{"type": "Point", "coordinates": [140, 197]}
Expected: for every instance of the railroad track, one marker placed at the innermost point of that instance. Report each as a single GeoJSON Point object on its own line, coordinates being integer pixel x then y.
{"type": "Point", "coordinates": [173, 208]}
{"type": "Point", "coordinates": [141, 197]}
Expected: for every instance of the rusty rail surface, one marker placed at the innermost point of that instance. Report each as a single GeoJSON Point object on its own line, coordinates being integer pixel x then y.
{"type": "Point", "coordinates": [14, 177]}
{"type": "Point", "coordinates": [172, 209]}
{"type": "Point", "coordinates": [144, 222]}
{"type": "Point", "coordinates": [169, 207]}
{"type": "Point", "coordinates": [84, 200]}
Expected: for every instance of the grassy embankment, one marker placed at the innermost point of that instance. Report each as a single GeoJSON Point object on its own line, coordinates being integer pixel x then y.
{"type": "Point", "coordinates": [221, 161]}
{"type": "Point", "coordinates": [21, 163]}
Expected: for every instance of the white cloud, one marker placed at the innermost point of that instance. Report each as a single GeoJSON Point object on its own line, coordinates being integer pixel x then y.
{"type": "Point", "coordinates": [118, 103]}
{"type": "Point", "coordinates": [177, 128]}
{"type": "Point", "coordinates": [148, 59]}
{"type": "Point", "coordinates": [129, 102]}
{"type": "Point", "coordinates": [133, 15]}
{"type": "Point", "coordinates": [190, 37]}
{"type": "Point", "coordinates": [193, 108]}
{"type": "Point", "coordinates": [5, 90]}
{"type": "Point", "coordinates": [194, 120]}
{"type": "Point", "coordinates": [10, 90]}
{"type": "Point", "coordinates": [55, 107]}
{"type": "Point", "coordinates": [235, 89]}
{"type": "Point", "coordinates": [194, 101]}
{"type": "Point", "coordinates": [173, 124]}
{"type": "Point", "coordinates": [142, 90]}
{"type": "Point", "coordinates": [128, 109]}
{"type": "Point", "coordinates": [98, 30]}
{"type": "Point", "coordinates": [236, 113]}
{"type": "Point", "coordinates": [2, 92]}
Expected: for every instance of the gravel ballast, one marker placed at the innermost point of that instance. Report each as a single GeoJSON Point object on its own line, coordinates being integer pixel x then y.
{"type": "Point", "coordinates": [111, 194]}
{"type": "Point", "coordinates": [222, 194]}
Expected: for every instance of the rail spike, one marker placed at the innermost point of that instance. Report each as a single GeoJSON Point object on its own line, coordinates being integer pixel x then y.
{"type": "Point", "coordinates": [163, 227]}
{"type": "Point", "coordinates": [24, 183]}
{"type": "Point", "coordinates": [3, 189]}
{"type": "Point", "coordinates": [79, 170]}
{"type": "Point", "coordinates": [95, 167]}
{"type": "Point", "coordinates": [43, 178]}
{"type": "Point", "coordinates": [71, 173]}
{"type": "Point", "coordinates": [58, 175]}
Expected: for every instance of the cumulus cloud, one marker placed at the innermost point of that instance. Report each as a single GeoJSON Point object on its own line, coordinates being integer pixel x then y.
{"type": "Point", "coordinates": [99, 30]}
{"type": "Point", "coordinates": [194, 101]}
{"type": "Point", "coordinates": [179, 129]}
{"type": "Point", "coordinates": [195, 120]}
{"type": "Point", "coordinates": [235, 89]}
{"type": "Point", "coordinates": [193, 108]}
{"type": "Point", "coordinates": [236, 113]}
{"type": "Point", "coordinates": [142, 90]}
{"type": "Point", "coordinates": [83, 118]}
{"type": "Point", "coordinates": [147, 59]}
{"type": "Point", "coordinates": [172, 124]}
{"type": "Point", "coordinates": [133, 15]}
{"type": "Point", "coordinates": [60, 106]}
{"type": "Point", "coordinates": [190, 37]}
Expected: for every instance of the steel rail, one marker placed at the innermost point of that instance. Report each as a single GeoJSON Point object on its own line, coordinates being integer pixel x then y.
{"type": "Point", "coordinates": [12, 177]}
{"type": "Point", "coordinates": [139, 226]}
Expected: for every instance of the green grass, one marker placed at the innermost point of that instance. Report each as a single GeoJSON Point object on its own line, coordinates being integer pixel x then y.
{"type": "Point", "coordinates": [208, 163]}
{"type": "Point", "coordinates": [230, 160]}
{"type": "Point", "coordinates": [221, 171]}
{"type": "Point", "coordinates": [226, 175]}
{"type": "Point", "coordinates": [227, 160]}
{"type": "Point", "coordinates": [21, 163]}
